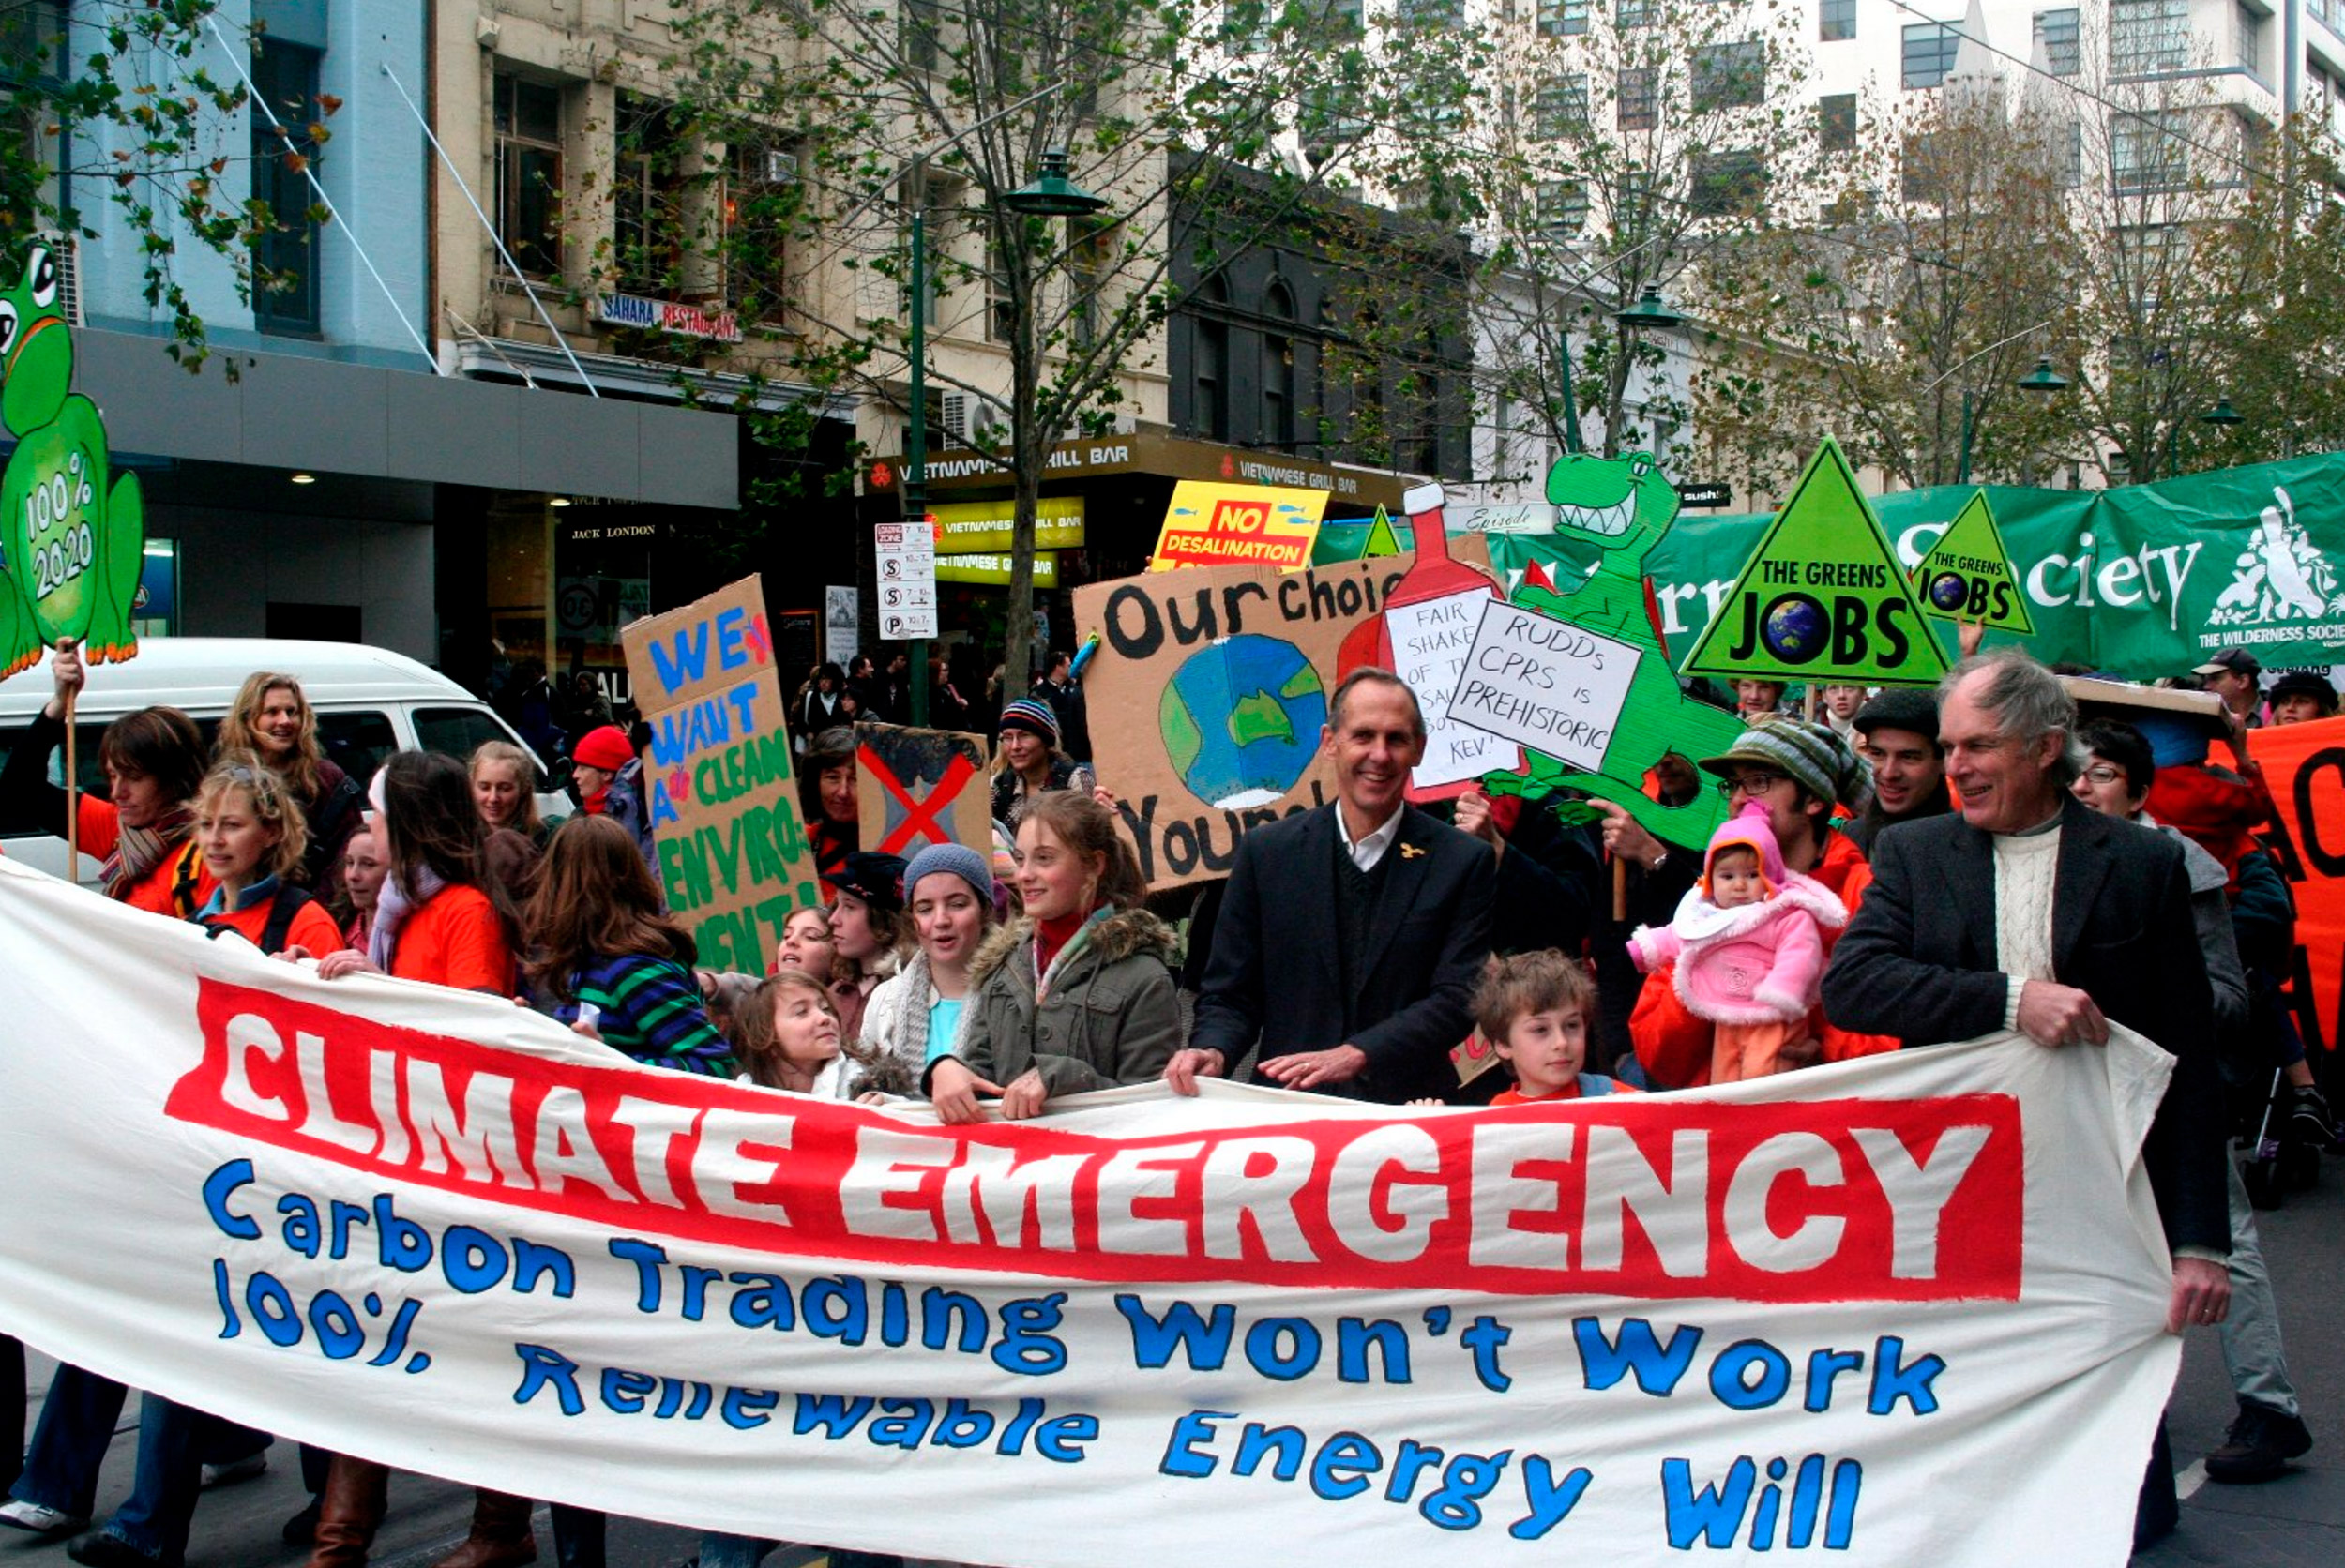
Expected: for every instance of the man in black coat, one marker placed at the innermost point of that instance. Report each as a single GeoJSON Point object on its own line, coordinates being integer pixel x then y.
{"type": "Point", "coordinates": [1352, 937]}
{"type": "Point", "coordinates": [2025, 911]}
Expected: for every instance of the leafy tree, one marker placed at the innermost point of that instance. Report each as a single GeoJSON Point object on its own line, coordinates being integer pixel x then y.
{"type": "Point", "coordinates": [953, 104]}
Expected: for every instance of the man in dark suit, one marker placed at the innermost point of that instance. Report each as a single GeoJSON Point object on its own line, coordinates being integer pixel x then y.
{"type": "Point", "coordinates": [2025, 911]}
{"type": "Point", "coordinates": [1351, 937]}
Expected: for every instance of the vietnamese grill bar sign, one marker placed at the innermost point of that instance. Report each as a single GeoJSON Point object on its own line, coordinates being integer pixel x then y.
{"type": "Point", "coordinates": [668, 315]}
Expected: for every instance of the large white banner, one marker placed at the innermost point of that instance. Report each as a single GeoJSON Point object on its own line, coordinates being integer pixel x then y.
{"type": "Point", "coordinates": [1903, 1309]}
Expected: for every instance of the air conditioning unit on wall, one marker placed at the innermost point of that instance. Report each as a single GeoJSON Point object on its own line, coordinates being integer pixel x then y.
{"type": "Point", "coordinates": [972, 420]}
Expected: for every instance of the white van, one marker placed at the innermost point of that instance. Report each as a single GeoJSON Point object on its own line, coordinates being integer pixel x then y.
{"type": "Point", "coordinates": [369, 703]}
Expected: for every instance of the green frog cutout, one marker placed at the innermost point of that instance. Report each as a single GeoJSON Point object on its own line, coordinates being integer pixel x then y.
{"type": "Point", "coordinates": [70, 540]}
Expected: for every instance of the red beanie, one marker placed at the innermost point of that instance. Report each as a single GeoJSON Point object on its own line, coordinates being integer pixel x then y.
{"type": "Point", "coordinates": [605, 747]}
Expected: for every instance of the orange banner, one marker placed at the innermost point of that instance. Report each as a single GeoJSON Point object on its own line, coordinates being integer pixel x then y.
{"type": "Point", "coordinates": [1238, 525]}
{"type": "Point", "coordinates": [2305, 766]}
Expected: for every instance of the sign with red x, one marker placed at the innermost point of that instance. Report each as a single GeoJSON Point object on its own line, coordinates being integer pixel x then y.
{"type": "Point", "coordinates": [921, 787]}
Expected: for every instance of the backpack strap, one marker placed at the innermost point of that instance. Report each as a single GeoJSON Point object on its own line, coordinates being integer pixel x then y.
{"type": "Point", "coordinates": [281, 910]}
{"type": "Point", "coordinates": [186, 875]}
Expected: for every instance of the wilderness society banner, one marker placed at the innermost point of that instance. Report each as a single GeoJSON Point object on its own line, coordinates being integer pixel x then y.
{"type": "Point", "coordinates": [429, 1228]}
{"type": "Point", "coordinates": [2144, 580]}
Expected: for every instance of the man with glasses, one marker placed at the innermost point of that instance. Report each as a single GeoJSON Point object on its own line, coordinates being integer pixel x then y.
{"type": "Point", "coordinates": [2027, 912]}
{"type": "Point", "coordinates": [1798, 771]}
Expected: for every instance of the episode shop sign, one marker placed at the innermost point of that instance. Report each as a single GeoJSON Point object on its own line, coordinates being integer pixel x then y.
{"type": "Point", "coordinates": [1824, 599]}
{"type": "Point", "coordinates": [734, 857]}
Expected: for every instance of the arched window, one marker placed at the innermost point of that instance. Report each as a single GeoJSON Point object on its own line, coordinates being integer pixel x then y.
{"type": "Point", "coordinates": [1277, 369]}
{"type": "Point", "coordinates": [1210, 406]}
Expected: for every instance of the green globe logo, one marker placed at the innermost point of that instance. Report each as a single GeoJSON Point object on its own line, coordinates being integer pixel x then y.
{"type": "Point", "coordinates": [1241, 720]}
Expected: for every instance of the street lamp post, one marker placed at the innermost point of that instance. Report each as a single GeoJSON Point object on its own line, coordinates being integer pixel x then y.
{"type": "Point", "coordinates": [1051, 194]}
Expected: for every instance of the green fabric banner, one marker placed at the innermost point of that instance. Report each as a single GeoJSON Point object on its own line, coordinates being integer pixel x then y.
{"type": "Point", "coordinates": [2142, 581]}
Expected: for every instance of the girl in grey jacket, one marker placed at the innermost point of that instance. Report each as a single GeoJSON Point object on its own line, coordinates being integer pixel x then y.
{"type": "Point", "coordinates": [1078, 994]}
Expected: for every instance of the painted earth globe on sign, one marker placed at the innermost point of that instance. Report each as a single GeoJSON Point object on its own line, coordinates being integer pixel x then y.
{"type": "Point", "coordinates": [1241, 720]}
{"type": "Point", "coordinates": [1795, 629]}
{"type": "Point", "coordinates": [1949, 590]}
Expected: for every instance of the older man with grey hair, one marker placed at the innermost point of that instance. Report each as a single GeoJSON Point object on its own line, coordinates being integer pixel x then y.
{"type": "Point", "coordinates": [2025, 911]}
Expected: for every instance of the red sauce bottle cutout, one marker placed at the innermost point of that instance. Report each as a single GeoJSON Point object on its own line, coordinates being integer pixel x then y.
{"type": "Point", "coordinates": [1433, 649]}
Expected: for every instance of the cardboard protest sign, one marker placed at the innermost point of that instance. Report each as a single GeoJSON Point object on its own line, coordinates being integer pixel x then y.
{"type": "Point", "coordinates": [914, 788]}
{"type": "Point", "coordinates": [1546, 684]}
{"type": "Point", "coordinates": [1967, 574]}
{"type": "Point", "coordinates": [1823, 597]}
{"type": "Point", "coordinates": [1208, 695]}
{"type": "Point", "coordinates": [1229, 525]}
{"type": "Point", "coordinates": [734, 857]}
{"type": "Point", "coordinates": [1422, 637]}
{"type": "Point", "coordinates": [2304, 764]}
{"type": "Point", "coordinates": [1773, 1314]}
{"type": "Point", "coordinates": [74, 537]}
{"type": "Point", "coordinates": [1611, 725]}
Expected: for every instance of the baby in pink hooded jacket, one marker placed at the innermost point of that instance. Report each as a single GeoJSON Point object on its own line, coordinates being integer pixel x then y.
{"type": "Point", "coordinates": [1749, 945]}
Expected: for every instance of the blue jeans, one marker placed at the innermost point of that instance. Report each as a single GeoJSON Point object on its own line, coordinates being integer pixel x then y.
{"type": "Point", "coordinates": [12, 1400]}
{"type": "Point", "coordinates": [733, 1551]}
{"type": "Point", "coordinates": [77, 1422]}
{"type": "Point", "coordinates": [175, 1444]}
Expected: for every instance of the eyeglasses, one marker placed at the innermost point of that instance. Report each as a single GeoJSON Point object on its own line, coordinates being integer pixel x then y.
{"type": "Point", "coordinates": [1750, 781]}
{"type": "Point", "coordinates": [2101, 772]}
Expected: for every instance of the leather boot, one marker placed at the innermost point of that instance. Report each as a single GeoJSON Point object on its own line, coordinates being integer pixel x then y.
{"type": "Point", "coordinates": [501, 1536]}
{"type": "Point", "coordinates": [349, 1512]}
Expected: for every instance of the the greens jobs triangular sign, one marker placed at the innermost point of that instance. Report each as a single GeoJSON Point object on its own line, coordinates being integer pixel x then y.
{"type": "Point", "coordinates": [1823, 599]}
{"type": "Point", "coordinates": [1967, 574]}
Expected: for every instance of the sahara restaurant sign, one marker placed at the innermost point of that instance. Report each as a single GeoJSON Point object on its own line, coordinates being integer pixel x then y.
{"type": "Point", "coordinates": [667, 315]}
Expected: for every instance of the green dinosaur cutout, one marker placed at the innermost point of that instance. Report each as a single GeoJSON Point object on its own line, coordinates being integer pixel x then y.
{"type": "Point", "coordinates": [1623, 506]}
{"type": "Point", "coordinates": [70, 542]}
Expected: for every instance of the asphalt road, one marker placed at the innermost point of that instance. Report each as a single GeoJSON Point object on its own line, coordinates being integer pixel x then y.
{"type": "Point", "coordinates": [2297, 1521]}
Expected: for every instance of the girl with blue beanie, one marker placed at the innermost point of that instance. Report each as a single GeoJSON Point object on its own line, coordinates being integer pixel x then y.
{"type": "Point", "coordinates": [915, 1018]}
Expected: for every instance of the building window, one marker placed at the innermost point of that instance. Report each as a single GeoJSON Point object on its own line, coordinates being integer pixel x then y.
{"type": "Point", "coordinates": [2247, 29]}
{"type": "Point", "coordinates": [1210, 374]}
{"type": "Point", "coordinates": [1639, 105]}
{"type": "Point", "coordinates": [1730, 76]}
{"type": "Point", "coordinates": [2056, 35]}
{"type": "Point", "coordinates": [1090, 258]}
{"type": "Point", "coordinates": [1277, 371]}
{"type": "Point", "coordinates": [2147, 36]}
{"type": "Point", "coordinates": [1563, 207]}
{"type": "Point", "coordinates": [1562, 106]}
{"type": "Point", "coordinates": [2145, 151]}
{"type": "Point", "coordinates": [1432, 15]}
{"type": "Point", "coordinates": [528, 119]}
{"type": "Point", "coordinates": [648, 189]}
{"type": "Point", "coordinates": [1001, 309]}
{"type": "Point", "coordinates": [286, 257]}
{"type": "Point", "coordinates": [1633, 13]}
{"type": "Point", "coordinates": [919, 30]}
{"type": "Point", "coordinates": [1727, 182]}
{"type": "Point", "coordinates": [1341, 19]}
{"type": "Point", "coordinates": [1930, 48]}
{"type": "Point", "coordinates": [761, 196]}
{"type": "Point", "coordinates": [1560, 19]}
{"type": "Point", "coordinates": [1835, 122]}
{"type": "Point", "coordinates": [2072, 164]}
{"type": "Point", "coordinates": [1920, 178]}
{"type": "Point", "coordinates": [1836, 20]}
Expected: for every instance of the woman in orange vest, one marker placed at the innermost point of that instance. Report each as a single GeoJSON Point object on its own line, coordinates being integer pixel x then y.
{"type": "Point", "coordinates": [254, 838]}
{"type": "Point", "coordinates": [145, 830]}
{"type": "Point", "coordinates": [439, 917]}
